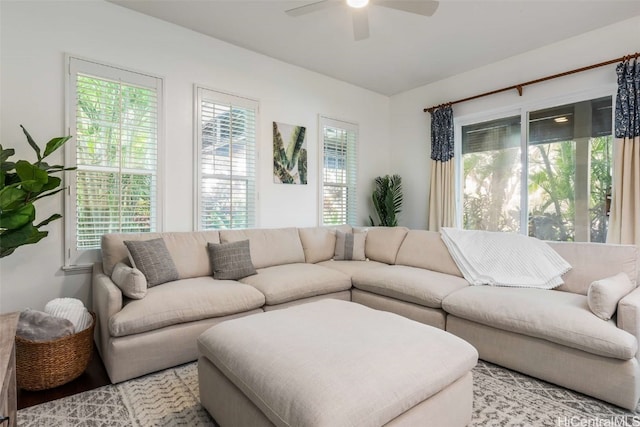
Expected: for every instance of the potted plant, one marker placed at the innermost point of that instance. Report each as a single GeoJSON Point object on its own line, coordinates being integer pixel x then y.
{"type": "Point", "coordinates": [21, 184]}
{"type": "Point", "coordinates": [387, 199]}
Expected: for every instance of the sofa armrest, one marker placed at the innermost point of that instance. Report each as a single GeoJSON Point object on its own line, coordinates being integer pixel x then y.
{"type": "Point", "coordinates": [107, 301]}
{"type": "Point", "coordinates": [629, 313]}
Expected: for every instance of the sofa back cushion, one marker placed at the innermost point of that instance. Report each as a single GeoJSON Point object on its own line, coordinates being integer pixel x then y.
{"type": "Point", "coordinates": [595, 261]}
{"type": "Point", "coordinates": [187, 249]}
{"type": "Point", "coordinates": [269, 246]}
{"type": "Point", "coordinates": [382, 243]}
{"type": "Point", "coordinates": [319, 243]}
{"type": "Point", "coordinates": [425, 249]}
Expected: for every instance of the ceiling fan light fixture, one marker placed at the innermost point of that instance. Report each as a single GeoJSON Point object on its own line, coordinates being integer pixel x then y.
{"type": "Point", "coordinates": [357, 3]}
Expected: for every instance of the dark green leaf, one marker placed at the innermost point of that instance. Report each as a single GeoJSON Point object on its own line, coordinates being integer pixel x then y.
{"type": "Point", "coordinates": [53, 182]}
{"type": "Point", "coordinates": [32, 143]}
{"type": "Point", "coordinates": [33, 178]}
{"type": "Point", "coordinates": [18, 237]}
{"type": "Point", "coordinates": [6, 252]}
{"type": "Point", "coordinates": [18, 218]}
{"type": "Point", "coordinates": [54, 144]}
{"type": "Point", "coordinates": [48, 220]}
{"type": "Point", "coordinates": [387, 199]}
{"type": "Point", "coordinates": [36, 236]}
{"type": "Point", "coordinates": [12, 179]}
{"type": "Point", "coordinates": [6, 153]}
{"type": "Point", "coordinates": [7, 166]}
{"type": "Point", "coordinates": [302, 166]}
{"type": "Point", "coordinates": [279, 154]}
{"type": "Point", "coordinates": [10, 195]}
{"type": "Point", "coordinates": [295, 144]}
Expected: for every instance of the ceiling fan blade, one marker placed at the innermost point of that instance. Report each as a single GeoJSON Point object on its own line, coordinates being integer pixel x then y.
{"type": "Point", "coordinates": [310, 8]}
{"type": "Point", "coordinates": [425, 7]}
{"type": "Point", "coordinates": [360, 23]}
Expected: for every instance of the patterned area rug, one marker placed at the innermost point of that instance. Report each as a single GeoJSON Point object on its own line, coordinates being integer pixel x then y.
{"type": "Point", "coordinates": [170, 398]}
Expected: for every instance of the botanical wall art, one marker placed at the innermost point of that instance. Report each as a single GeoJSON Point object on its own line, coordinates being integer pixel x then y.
{"type": "Point", "coordinates": [289, 154]}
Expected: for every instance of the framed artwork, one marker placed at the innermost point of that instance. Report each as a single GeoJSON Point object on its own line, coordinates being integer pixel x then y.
{"type": "Point", "coordinates": [289, 154]}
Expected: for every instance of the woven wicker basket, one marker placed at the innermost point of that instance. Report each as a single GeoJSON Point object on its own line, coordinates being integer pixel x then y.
{"type": "Point", "coordinates": [41, 365]}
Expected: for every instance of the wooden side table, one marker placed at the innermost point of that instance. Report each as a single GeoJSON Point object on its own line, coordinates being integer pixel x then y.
{"type": "Point", "coordinates": [8, 392]}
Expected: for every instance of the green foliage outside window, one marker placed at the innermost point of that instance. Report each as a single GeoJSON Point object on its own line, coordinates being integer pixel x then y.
{"type": "Point", "coordinates": [116, 157]}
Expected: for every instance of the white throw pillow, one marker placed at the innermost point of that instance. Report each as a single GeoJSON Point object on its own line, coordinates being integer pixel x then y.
{"type": "Point", "coordinates": [131, 281]}
{"type": "Point", "coordinates": [604, 294]}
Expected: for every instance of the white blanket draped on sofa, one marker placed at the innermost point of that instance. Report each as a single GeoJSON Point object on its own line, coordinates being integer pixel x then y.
{"type": "Point", "coordinates": [504, 259]}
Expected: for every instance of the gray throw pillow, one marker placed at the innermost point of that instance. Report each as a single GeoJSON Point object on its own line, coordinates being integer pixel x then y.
{"type": "Point", "coordinates": [231, 261]}
{"type": "Point", "coordinates": [152, 258]}
{"type": "Point", "coordinates": [350, 246]}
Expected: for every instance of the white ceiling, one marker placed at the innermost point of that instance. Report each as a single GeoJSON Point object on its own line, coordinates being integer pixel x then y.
{"type": "Point", "coordinates": [404, 51]}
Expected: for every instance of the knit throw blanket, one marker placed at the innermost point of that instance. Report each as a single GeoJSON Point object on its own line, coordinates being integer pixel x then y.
{"type": "Point", "coordinates": [504, 259]}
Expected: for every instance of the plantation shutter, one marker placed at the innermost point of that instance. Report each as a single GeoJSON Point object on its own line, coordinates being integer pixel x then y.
{"type": "Point", "coordinates": [115, 120]}
{"type": "Point", "coordinates": [227, 160]}
{"type": "Point", "coordinates": [339, 172]}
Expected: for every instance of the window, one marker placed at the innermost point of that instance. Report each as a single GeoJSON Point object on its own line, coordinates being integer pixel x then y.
{"type": "Point", "coordinates": [226, 147]}
{"type": "Point", "coordinates": [491, 175]}
{"type": "Point", "coordinates": [339, 171]}
{"type": "Point", "coordinates": [114, 118]}
{"type": "Point", "coordinates": [569, 171]}
{"type": "Point", "coordinates": [565, 175]}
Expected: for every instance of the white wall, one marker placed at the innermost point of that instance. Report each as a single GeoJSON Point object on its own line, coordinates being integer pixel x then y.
{"type": "Point", "coordinates": [36, 35]}
{"type": "Point", "coordinates": [410, 126]}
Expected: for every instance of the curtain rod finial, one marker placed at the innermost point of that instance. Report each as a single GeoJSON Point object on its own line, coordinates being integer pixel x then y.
{"type": "Point", "coordinates": [519, 88]}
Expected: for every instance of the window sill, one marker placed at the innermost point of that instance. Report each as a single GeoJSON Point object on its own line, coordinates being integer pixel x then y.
{"type": "Point", "coordinates": [77, 269]}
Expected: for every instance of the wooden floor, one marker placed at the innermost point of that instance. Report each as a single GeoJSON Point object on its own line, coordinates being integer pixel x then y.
{"type": "Point", "coordinates": [95, 376]}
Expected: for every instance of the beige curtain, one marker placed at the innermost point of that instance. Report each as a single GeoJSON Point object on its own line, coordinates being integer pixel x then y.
{"type": "Point", "coordinates": [442, 206]}
{"type": "Point", "coordinates": [624, 220]}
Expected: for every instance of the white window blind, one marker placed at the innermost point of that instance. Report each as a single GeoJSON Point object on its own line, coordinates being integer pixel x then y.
{"type": "Point", "coordinates": [114, 118]}
{"type": "Point", "coordinates": [339, 171]}
{"type": "Point", "coordinates": [226, 147]}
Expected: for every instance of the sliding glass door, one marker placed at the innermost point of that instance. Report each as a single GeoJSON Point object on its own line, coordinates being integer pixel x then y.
{"type": "Point", "coordinates": [569, 171]}
{"type": "Point", "coordinates": [565, 175]}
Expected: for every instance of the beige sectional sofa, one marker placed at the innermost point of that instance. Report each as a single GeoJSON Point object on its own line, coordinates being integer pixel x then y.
{"type": "Point", "coordinates": [549, 334]}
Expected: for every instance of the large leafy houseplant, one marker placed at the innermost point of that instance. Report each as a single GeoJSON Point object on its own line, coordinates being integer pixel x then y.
{"type": "Point", "coordinates": [387, 199]}
{"type": "Point", "coordinates": [21, 184]}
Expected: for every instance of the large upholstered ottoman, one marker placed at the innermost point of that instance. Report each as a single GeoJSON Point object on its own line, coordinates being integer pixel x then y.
{"type": "Point", "coordinates": [334, 363]}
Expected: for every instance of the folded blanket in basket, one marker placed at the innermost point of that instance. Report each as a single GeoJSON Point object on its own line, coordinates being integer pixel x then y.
{"type": "Point", "coordinates": [36, 325]}
{"type": "Point", "coordinates": [71, 309]}
{"type": "Point", "coordinates": [504, 259]}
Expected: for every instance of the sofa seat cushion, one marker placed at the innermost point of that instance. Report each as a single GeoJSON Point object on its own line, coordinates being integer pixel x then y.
{"type": "Point", "coordinates": [182, 301]}
{"type": "Point", "coordinates": [410, 284]}
{"type": "Point", "coordinates": [351, 267]}
{"type": "Point", "coordinates": [284, 283]}
{"type": "Point", "coordinates": [560, 317]}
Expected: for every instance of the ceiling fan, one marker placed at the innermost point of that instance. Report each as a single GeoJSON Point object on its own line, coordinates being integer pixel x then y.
{"type": "Point", "coordinates": [359, 11]}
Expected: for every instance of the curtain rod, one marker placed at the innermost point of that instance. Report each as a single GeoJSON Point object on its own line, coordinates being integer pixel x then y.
{"type": "Point", "coordinates": [520, 86]}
